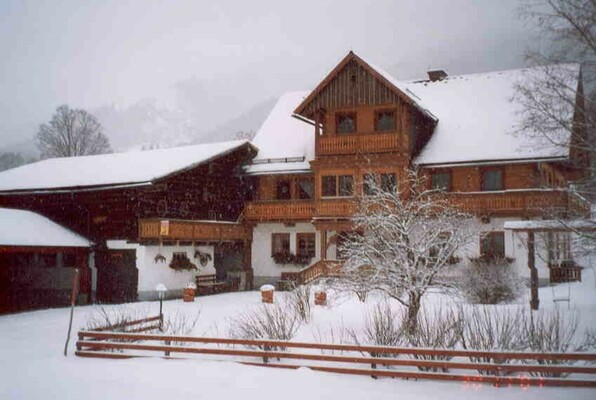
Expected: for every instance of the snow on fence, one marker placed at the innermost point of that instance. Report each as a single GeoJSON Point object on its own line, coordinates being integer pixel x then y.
{"type": "Point", "coordinates": [530, 369]}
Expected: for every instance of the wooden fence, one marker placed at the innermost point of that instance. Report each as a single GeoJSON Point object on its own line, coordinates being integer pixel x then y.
{"type": "Point", "coordinates": [504, 368]}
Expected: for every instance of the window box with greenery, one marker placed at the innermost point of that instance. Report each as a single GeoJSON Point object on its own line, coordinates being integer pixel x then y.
{"type": "Point", "coordinates": [291, 258]}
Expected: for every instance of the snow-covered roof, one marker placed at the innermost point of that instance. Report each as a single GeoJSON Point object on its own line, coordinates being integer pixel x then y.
{"type": "Point", "coordinates": [552, 225]}
{"type": "Point", "coordinates": [285, 143]}
{"type": "Point", "coordinates": [112, 169]}
{"type": "Point", "coordinates": [479, 117]}
{"type": "Point", "coordinates": [26, 228]}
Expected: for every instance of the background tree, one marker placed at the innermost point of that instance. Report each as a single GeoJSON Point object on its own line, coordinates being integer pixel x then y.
{"type": "Point", "coordinates": [11, 160]}
{"type": "Point", "coordinates": [555, 109]}
{"type": "Point", "coordinates": [70, 133]}
{"type": "Point", "coordinates": [406, 239]}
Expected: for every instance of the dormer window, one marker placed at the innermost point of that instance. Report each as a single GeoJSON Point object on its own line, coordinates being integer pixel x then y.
{"type": "Point", "coordinates": [385, 121]}
{"type": "Point", "coordinates": [345, 122]}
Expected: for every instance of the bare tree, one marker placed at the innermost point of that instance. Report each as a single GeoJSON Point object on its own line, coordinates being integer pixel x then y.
{"type": "Point", "coordinates": [71, 133]}
{"type": "Point", "coordinates": [559, 102]}
{"type": "Point", "coordinates": [406, 239]}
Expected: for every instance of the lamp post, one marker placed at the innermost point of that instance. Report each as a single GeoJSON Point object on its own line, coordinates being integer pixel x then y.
{"type": "Point", "coordinates": [161, 291]}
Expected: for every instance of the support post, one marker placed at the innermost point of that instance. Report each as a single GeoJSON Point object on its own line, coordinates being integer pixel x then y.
{"type": "Point", "coordinates": [534, 302]}
{"type": "Point", "coordinates": [323, 244]}
{"type": "Point", "coordinates": [73, 300]}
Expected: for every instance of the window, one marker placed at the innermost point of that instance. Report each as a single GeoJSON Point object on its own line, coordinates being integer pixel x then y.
{"type": "Point", "coordinates": [492, 245]}
{"type": "Point", "coordinates": [305, 189]}
{"type": "Point", "coordinates": [559, 249]}
{"type": "Point", "coordinates": [280, 243]}
{"type": "Point", "coordinates": [345, 123]}
{"type": "Point", "coordinates": [492, 179]}
{"type": "Point", "coordinates": [283, 190]}
{"type": "Point", "coordinates": [334, 186]}
{"type": "Point", "coordinates": [346, 185]}
{"type": "Point", "coordinates": [388, 183]}
{"type": "Point", "coordinates": [441, 181]}
{"type": "Point", "coordinates": [385, 121]}
{"type": "Point", "coordinates": [306, 244]}
{"type": "Point", "coordinates": [329, 186]}
{"type": "Point", "coordinates": [368, 181]}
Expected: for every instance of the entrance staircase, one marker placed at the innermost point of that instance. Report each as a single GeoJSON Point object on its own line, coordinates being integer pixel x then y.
{"type": "Point", "coordinates": [322, 268]}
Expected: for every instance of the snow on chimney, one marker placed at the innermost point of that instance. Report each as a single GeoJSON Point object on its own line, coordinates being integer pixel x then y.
{"type": "Point", "coordinates": [437, 75]}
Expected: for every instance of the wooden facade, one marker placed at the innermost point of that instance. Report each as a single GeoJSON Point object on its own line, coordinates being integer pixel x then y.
{"type": "Point", "coordinates": [212, 191]}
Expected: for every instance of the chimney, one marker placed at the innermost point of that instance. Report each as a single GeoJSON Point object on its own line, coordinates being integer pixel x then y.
{"type": "Point", "coordinates": [437, 75]}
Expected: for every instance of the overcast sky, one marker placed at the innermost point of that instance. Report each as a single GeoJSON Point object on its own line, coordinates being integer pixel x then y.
{"type": "Point", "coordinates": [91, 53]}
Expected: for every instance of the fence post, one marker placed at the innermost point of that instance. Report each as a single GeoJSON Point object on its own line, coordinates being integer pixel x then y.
{"type": "Point", "coordinates": [168, 342]}
{"type": "Point", "coordinates": [265, 358]}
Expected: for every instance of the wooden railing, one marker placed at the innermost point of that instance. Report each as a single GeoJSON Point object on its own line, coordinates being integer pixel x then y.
{"type": "Point", "coordinates": [565, 274]}
{"type": "Point", "coordinates": [192, 230]}
{"type": "Point", "coordinates": [317, 270]}
{"type": "Point", "coordinates": [280, 210]}
{"type": "Point", "coordinates": [528, 202]}
{"type": "Point", "coordinates": [418, 363]}
{"type": "Point", "coordinates": [335, 207]}
{"type": "Point", "coordinates": [358, 143]}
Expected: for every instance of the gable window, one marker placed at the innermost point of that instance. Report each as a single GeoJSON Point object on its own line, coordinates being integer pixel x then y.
{"type": "Point", "coordinates": [492, 179]}
{"type": "Point", "coordinates": [345, 123]}
{"type": "Point", "coordinates": [441, 181]}
{"type": "Point", "coordinates": [283, 190]}
{"type": "Point", "coordinates": [305, 244]}
{"type": "Point", "coordinates": [492, 245]}
{"type": "Point", "coordinates": [384, 121]}
{"type": "Point", "coordinates": [338, 185]}
{"type": "Point", "coordinates": [280, 243]}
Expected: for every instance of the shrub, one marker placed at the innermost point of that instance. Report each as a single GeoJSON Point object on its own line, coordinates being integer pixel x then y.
{"type": "Point", "coordinates": [299, 300]}
{"type": "Point", "coordinates": [490, 281]}
{"type": "Point", "coordinates": [269, 321]}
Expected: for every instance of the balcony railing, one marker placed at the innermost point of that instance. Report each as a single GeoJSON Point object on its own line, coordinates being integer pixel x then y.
{"type": "Point", "coordinates": [192, 230]}
{"type": "Point", "coordinates": [282, 210]}
{"type": "Point", "coordinates": [353, 144]}
{"type": "Point", "coordinates": [528, 202]}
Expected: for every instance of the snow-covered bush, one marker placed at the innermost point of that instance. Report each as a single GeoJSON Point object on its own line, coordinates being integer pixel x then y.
{"type": "Point", "coordinates": [492, 328]}
{"type": "Point", "coordinates": [299, 299]}
{"type": "Point", "coordinates": [269, 321]}
{"type": "Point", "coordinates": [490, 281]}
{"type": "Point", "coordinates": [552, 331]}
{"type": "Point", "coordinates": [383, 327]}
{"type": "Point", "coordinates": [436, 328]}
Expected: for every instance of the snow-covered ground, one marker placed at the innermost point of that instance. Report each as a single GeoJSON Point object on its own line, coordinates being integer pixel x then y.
{"type": "Point", "coordinates": [34, 367]}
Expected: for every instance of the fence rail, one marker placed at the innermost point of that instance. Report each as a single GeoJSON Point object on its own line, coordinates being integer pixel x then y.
{"type": "Point", "coordinates": [276, 354]}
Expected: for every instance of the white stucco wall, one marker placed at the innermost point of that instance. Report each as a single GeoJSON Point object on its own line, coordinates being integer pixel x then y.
{"type": "Point", "coordinates": [152, 273]}
{"type": "Point", "coordinates": [262, 262]}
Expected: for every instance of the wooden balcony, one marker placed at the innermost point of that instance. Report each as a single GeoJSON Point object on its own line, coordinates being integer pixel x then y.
{"type": "Point", "coordinates": [357, 143]}
{"type": "Point", "coordinates": [192, 230]}
{"type": "Point", "coordinates": [335, 208]}
{"type": "Point", "coordinates": [531, 202]}
{"type": "Point", "coordinates": [280, 210]}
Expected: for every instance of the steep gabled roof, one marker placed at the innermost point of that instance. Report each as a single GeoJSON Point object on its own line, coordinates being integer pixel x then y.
{"type": "Point", "coordinates": [117, 169]}
{"type": "Point", "coordinates": [480, 118]}
{"type": "Point", "coordinates": [285, 143]}
{"type": "Point", "coordinates": [386, 79]}
{"type": "Point", "coordinates": [26, 228]}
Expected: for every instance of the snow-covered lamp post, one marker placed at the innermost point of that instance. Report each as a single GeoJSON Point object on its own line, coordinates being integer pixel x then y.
{"type": "Point", "coordinates": [161, 291]}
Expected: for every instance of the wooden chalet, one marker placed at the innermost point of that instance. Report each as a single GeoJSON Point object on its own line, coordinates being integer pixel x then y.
{"type": "Point", "coordinates": [360, 122]}
{"type": "Point", "coordinates": [120, 200]}
{"type": "Point", "coordinates": [277, 208]}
